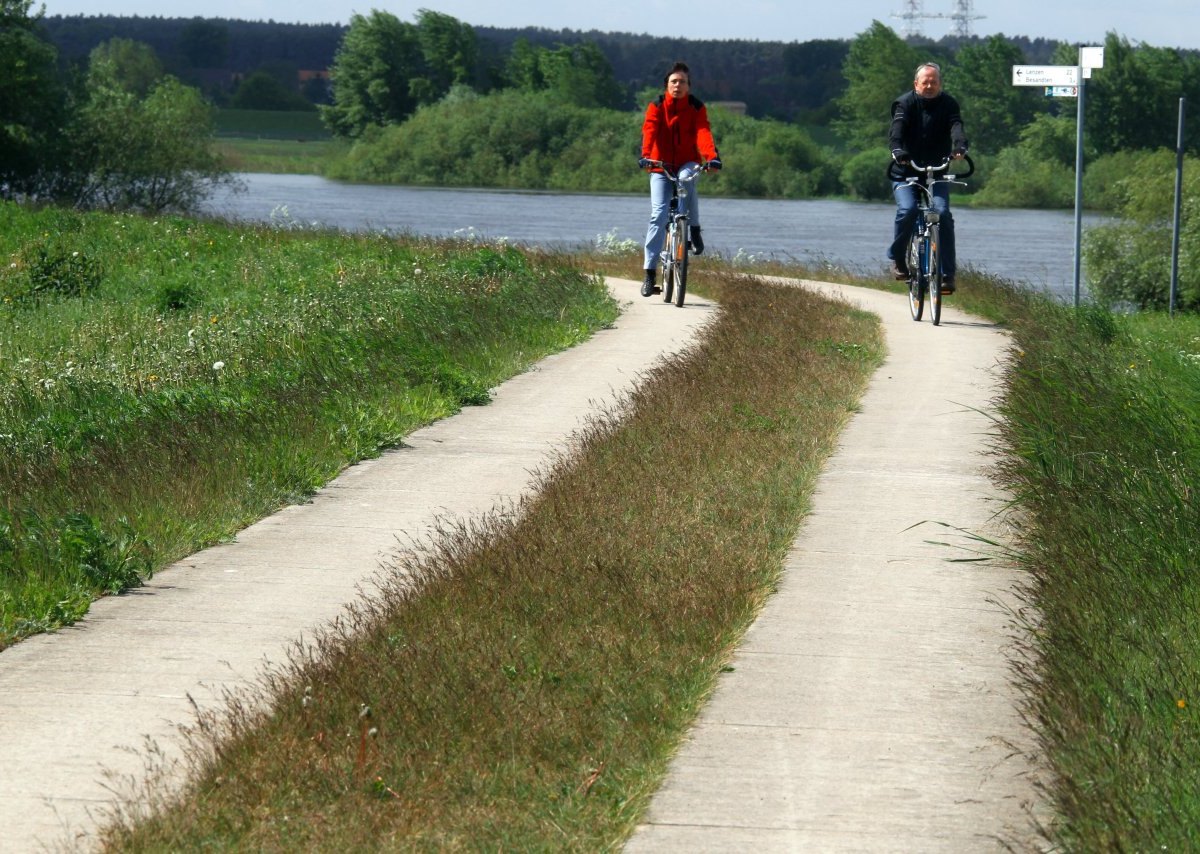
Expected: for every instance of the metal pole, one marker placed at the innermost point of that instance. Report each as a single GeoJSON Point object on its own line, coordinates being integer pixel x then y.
{"type": "Point", "coordinates": [1078, 174]}
{"type": "Point", "coordinates": [1178, 200]}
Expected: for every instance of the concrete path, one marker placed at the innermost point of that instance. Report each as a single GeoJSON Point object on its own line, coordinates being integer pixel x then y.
{"type": "Point", "coordinates": [869, 708]}
{"type": "Point", "coordinates": [75, 705]}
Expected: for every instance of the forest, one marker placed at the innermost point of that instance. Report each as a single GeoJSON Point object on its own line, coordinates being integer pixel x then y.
{"type": "Point", "coordinates": [783, 80]}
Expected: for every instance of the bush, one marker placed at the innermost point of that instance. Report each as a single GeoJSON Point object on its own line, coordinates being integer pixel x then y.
{"type": "Point", "coordinates": [865, 174]}
{"type": "Point", "coordinates": [1130, 261]}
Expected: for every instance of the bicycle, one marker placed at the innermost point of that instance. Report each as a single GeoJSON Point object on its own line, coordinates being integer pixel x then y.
{"type": "Point", "coordinates": [673, 258]}
{"type": "Point", "coordinates": [923, 256]}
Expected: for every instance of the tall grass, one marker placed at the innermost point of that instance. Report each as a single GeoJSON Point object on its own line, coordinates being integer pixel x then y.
{"type": "Point", "coordinates": [1101, 447]}
{"type": "Point", "coordinates": [524, 693]}
{"type": "Point", "coordinates": [164, 382]}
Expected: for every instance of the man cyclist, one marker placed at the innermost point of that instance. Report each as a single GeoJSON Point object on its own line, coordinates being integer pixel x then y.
{"type": "Point", "coordinates": [675, 131]}
{"type": "Point", "coordinates": [926, 128]}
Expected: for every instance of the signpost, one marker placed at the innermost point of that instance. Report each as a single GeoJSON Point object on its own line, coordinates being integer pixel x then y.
{"type": "Point", "coordinates": [1066, 81]}
{"type": "Point", "coordinates": [1045, 75]}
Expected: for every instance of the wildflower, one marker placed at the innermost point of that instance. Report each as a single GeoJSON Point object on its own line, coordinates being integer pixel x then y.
{"type": "Point", "coordinates": [218, 366]}
{"type": "Point", "coordinates": [1181, 703]}
{"type": "Point", "coordinates": [213, 319]}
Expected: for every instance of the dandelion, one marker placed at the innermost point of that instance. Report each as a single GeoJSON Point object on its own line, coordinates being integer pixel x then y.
{"type": "Point", "coordinates": [1181, 703]}
{"type": "Point", "coordinates": [218, 365]}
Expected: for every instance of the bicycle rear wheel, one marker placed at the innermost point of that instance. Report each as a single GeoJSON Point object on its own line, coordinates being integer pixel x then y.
{"type": "Point", "coordinates": [681, 265]}
{"type": "Point", "coordinates": [668, 264]}
{"type": "Point", "coordinates": [933, 254]}
{"type": "Point", "coordinates": [916, 282]}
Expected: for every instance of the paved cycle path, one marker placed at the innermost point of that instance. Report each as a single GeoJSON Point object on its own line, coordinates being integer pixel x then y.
{"type": "Point", "coordinates": [869, 708]}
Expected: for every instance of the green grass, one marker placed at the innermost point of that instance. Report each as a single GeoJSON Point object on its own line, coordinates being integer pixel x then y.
{"type": "Point", "coordinates": [528, 694]}
{"type": "Point", "coordinates": [1101, 442]}
{"type": "Point", "coordinates": [271, 124]}
{"type": "Point", "coordinates": [278, 156]}
{"type": "Point", "coordinates": [164, 382]}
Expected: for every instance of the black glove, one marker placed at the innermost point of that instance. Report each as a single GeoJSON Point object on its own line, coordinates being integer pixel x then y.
{"type": "Point", "coordinates": [901, 156]}
{"type": "Point", "coordinates": [714, 164]}
{"type": "Point", "coordinates": [961, 151]}
{"type": "Point", "coordinates": [644, 162]}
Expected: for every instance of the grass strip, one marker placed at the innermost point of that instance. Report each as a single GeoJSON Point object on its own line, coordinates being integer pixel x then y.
{"type": "Point", "coordinates": [522, 684]}
{"type": "Point", "coordinates": [1101, 447]}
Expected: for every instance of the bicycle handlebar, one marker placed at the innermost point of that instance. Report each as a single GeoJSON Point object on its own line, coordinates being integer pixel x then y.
{"type": "Point", "coordinates": [671, 170]}
{"type": "Point", "coordinates": [929, 171]}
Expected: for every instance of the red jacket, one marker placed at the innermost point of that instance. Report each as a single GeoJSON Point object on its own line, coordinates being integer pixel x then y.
{"type": "Point", "coordinates": [676, 131]}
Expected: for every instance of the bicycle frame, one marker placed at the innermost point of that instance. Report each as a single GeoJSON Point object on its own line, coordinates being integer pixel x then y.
{"type": "Point", "coordinates": [923, 257]}
{"type": "Point", "coordinates": [673, 257]}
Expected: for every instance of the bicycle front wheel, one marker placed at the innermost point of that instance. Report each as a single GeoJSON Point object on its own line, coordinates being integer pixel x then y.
{"type": "Point", "coordinates": [933, 253]}
{"type": "Point", "coordinates": [916, 281]}
{"type": "Point", "coordinates": [681, 265]}
{"type": "Point", "coordinates": [668, 264]}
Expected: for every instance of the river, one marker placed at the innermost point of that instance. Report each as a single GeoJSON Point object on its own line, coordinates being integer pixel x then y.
{"type": "Point", "coordinates": [1031, 246]}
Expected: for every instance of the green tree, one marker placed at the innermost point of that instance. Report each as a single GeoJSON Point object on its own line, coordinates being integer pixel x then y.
{"type": "Point", "coordinates": [1037, 172]}
{"type": "Point", "coordinates": [386, 68]}
{"type": "Point", "coordinates": [994, 111]}
{"type": "Point", "coordinates": [1132, 102]}
{"type": "Point", "coordinates": [450, 52]}
{"type": "Point", "coordinates": [1130, 261]}
{"type": "Point", "coordinates": [204, 43]}
{"type": "Point", "coordinates": [262, 90]}
{"type": "Point", "coordinates": [151, 154]}
{"type": "Point", "coordinates": [130, 64]}
{"type": "Point", "coordinates": [579, 73]}
{"type": "Point", "coordinates": [878, 68]}
{"type": "Point", "coordinates": [32, 102]}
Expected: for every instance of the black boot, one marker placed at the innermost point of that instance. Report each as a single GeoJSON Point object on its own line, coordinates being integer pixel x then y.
{"type": "Point", "coordinates": [697, 240]}
{"type": "Point", "coordinates": [648, 288]}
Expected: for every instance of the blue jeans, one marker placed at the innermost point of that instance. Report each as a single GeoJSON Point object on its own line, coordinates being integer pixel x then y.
{"type": "Point", "coordinates": [906, 215]}
{"type": "Point", "coordinates": [660, 203]}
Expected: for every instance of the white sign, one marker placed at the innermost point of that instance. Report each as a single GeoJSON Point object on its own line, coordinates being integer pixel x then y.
{"type": "Point", "coordinates": [1045, 75]}
{"type": "Point", "coordinates": [1062, 91]}
{"type": "Point", "coordinates": [1091, 57]}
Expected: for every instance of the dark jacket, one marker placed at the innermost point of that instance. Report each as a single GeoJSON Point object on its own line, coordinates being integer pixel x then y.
{"type": "Point", "coordinates": [929, 129]}
{"type": "Point", "coordinates": [676, 131]}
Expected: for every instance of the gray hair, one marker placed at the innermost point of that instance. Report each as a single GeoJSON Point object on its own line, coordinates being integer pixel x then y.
{"type": "Point", "coordinates": [932, 65]}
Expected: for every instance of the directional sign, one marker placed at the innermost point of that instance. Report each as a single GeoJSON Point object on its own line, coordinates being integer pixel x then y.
{"type": "Point", "coordinates": [1045, 75]}
{"type": "Point", "coordinates": [1062, 91]}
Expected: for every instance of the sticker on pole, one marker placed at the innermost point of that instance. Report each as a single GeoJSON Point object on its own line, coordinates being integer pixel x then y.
{"type": "Point", "coordinates": [1062, 91]}
{"type": "Point", "coordinates": [1045, 75]}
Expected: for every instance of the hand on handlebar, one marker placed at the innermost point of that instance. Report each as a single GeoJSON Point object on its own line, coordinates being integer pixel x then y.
{"type": "Point", "coordinates": [958, 153]}
{"type": "Point", "coordinates": [713, 165]}
{"type": "Point", "coordinates": [645, 162]}
{"type": "Point", "coordinates": [901, 156]}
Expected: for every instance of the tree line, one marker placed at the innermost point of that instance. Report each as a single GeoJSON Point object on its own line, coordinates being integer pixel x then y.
{"type": "Point", "coordinates": [437, 101]}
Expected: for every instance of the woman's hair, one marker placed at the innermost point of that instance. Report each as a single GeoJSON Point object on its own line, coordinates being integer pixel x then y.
{"type": "Point", "coordinates": [679, 66]}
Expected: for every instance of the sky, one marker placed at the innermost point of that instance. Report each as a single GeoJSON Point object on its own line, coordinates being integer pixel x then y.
{"type": "Point", "coordinates": [1161, 23]}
